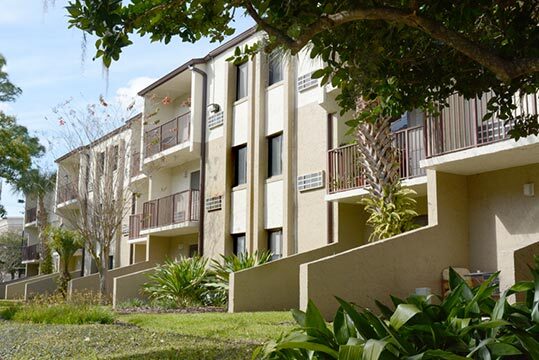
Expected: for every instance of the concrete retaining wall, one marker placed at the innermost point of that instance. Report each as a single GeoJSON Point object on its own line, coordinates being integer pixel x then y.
{"type": "Point", "coordinates": [46, 285]}
{"type": "Point", "coordinates": [91, 282]}
{"type": "Point", "coordinates": [400, 264]}
{"type": "Point", "coordinates": [128, 286]}
{"type": "Point", "coordinates": [275, 285]}
{"type": "Point", "coordinates": [17, 290]}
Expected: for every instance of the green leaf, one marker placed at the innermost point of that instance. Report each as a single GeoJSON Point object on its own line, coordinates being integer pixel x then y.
{"type": "Point", "coordinates": [309, 346]}
{"type": "Point", "coordinates": [373, 349]}
{"type": "Point", "coordinates": [350, 352]}
{"type": "Point", "coordinates": [360, 322]}
{"type": "Point", "coordinates": [299, 316]}
{"type": "Point", "coordinates": [441, 354]}
{"type": "Point", "coordinates": [502, 349]}
{"type": "Point", "coordinates": [402, 315]}
{"type": "Point", "coordinates": [343, 328]}
{"type": "Point", "coordinates": [315, 320]}
{"type": "Point", "coordinates": [529, 343]}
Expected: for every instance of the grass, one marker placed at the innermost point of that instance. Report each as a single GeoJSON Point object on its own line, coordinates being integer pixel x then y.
{"type": "Point", "coordinates": [146, 336]}
{"type": "Point", "coordinates": [245, 326]}
{"type": "Point", "coordinates": [58, 314]}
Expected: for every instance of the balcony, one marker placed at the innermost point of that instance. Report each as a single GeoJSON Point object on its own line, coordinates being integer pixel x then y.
{"type": "Point", "coordinates": [459, 141]}
{"type": "Point", "coordinates": [66, 192]}
{"type": "Point", "coordinates": [460, 126]}
{"type": "Point", "coordinates": [31, 253]}
{"type": "Point", "coordinates": [170, 213]}
{"type": "Point", "coordinates": [135, 225]}
{"type": "Point", "coordinates": [344, 169]}
{"type": "Point", "coordinates": [168, 135]}
{"type": "Point", "coordinates": [30, 215]}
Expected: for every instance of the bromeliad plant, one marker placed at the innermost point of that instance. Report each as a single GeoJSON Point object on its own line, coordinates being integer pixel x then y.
{"type": "Point", "coordinates": [221, 270]}
{"type": "Point", "coordinates": [468, 323]}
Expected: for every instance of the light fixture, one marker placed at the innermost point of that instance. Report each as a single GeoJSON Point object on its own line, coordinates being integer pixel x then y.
{"type": "Point", "coordinates": [529, 189]}
{"type": "Point", "coordinates": [214, 108]}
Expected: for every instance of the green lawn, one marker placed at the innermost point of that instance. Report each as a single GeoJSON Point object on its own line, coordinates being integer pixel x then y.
{"type": "Point", "coordinates": [146, 336]}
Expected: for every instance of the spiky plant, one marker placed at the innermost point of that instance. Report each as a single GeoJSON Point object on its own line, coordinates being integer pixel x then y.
{"type": "Point", "coordinates": [391, 208]}
{"type": "Point", "coordinates": [66, 243]}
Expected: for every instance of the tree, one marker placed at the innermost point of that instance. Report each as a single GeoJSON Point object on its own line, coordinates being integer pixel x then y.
{"type": "Point", "coordinates": [17, 147]}
{"type": "Point", "coordinates": [39, 183]}
{"type": "Point", "coordinates": [408, 54]}
{"type": "Point", "coordinates": [8, 91]}
{"type": "Point", "coordinates": [10, 254]}
{"type": "Point", "coordinates": [96, 178]}
{"type": "Point", "coordinates": [66, 243]}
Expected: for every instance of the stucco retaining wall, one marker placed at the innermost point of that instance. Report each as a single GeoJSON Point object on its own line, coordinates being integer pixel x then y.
{"type": "Point", "coordinates": [127, 287]}
{"type": "Point", "coordinates": [91, 282]}
{"type": "Point", "coordinates": [275, 285]}
{"type": "Point", "coordinates": [400, 264]}
{"type": "Point", "coordinates": [17, 290]}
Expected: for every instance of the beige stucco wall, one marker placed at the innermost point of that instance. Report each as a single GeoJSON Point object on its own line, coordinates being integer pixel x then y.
{"type": "Point", "coordinates": [400, 264]}
{"type": "Point", "coordinates": [502, 219]}
{"type": "Point", "coordinates": [16, 290]}
{"type": "Point", "coordinates": [127, 287]}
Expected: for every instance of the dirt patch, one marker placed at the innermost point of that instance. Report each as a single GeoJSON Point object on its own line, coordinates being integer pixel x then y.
{"type": "Point", "coordinates": [156, 310]}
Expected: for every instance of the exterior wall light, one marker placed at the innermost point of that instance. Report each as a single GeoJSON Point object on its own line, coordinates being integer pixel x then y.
{"type": "Point", "coordinates": [529, 189]}
{"type": "Point", "coordinates": [214, 108]}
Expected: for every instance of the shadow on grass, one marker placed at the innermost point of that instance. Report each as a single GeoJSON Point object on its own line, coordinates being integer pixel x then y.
{"type": "Point", "coordinates": [226, 353]}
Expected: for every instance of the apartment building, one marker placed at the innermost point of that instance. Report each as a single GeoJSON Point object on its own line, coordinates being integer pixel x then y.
{"type": "Point", "coordinates": [232, 158]}
{"type": "Point", "coordinates": [11, 224]}
{"type": "Point", "coordinates": [31, 251]}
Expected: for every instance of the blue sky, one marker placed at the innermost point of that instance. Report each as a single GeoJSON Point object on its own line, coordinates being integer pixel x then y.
{"type": "Point", "coordinates": [46, 60]}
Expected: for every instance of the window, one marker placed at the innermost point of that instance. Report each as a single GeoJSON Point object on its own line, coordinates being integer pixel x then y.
{"type": "Point", "coordinates": [115, 154]}
{"type": "Point", "coordinates": [133, 204]}
{"type": "Point", "coordinates": [275, 161]}
{"type": "Point", "coordinates": [275, 243]}
{"type": "Point", "coordinates": [111, 262]}
{"type": "Point", "coordinates": [240, 245]}
{"type": "Point", "coordinates": [100, 163]}
{"type": "Point", "coordinates": [242, 79]}
{"type": "Point", "coordinates": [275, 68]}
{"type": "Point", "coordinates": [193, 250]}
{"type": "Point", "coordinates": [240, 165]}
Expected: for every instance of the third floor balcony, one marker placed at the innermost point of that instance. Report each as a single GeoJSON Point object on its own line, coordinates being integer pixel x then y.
{"type": "Point", "coordinates": [30, 216]}
{"type": "Point", "coordinates": [174, 133]}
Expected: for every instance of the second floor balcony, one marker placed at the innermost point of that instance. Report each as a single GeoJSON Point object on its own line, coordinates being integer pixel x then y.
{"type": "Point", "coordinates": [172, 215]}
{"type": "Point", "coordinates": [163, 137]}
{"type": "Point", "coordinates": [30, 216]}
{"type": "Point", "coordinates": [31, 253]}
{"type": "Point", "coordinates": [344, 167]}
{"type": "Point", "coordinates": [66, 192]}
{"type": "Point", "coordinates": [135, 225]}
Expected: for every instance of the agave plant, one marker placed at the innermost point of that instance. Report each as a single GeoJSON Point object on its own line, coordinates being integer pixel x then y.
{"type": "Point", "coordinates": [180, 282]}
{"type": "Point", "coordinates": [221, 270]}
{"type": "Point", "coordinates": [468, 323]}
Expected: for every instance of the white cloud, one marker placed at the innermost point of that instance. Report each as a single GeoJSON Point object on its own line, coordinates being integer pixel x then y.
{"type": "Point", "coordinates": [126, 95]}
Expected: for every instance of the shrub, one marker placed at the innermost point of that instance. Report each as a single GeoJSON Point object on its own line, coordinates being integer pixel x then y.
{"type": "Point", "coordinates": [468, 323]}
{"type": "Point", "coordinates": [221, 270]}
{"type": "Point", "coordinates": [181, 283]}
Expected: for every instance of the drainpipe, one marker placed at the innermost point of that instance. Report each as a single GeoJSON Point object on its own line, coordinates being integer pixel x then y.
{"type": "Point", "coordinates": [202, 193]}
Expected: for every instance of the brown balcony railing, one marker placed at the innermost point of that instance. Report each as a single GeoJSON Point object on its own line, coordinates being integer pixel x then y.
{"type": "Point", "coordinates": [66, 192]}
{"type": "Point", "coordinates": [31, 252]}
{"type": "Point", "coordinates": [172, 209]}
{"type": "Point", "coordinates": [135, 224]}
{"type": "Point", "coordinates": [135, 164]}
{"type": "Point", "coordinates": [344, 168]}
{"type": "Point", "coordinates": [460, 126]}
{"type": "Point", "coordinates": [30, 215]}
{"type": "Point", "coordinates": [167, 135]}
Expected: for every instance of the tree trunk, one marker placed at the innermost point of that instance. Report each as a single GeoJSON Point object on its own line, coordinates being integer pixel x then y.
{"type": "Point", "coordinates": [45, 266]}
{"type": "Point", "coordinates": [103, 270]}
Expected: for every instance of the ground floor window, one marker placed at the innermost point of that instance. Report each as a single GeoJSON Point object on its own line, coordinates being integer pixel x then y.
{"type": "Point", "coordinates": [240, 245]}
{"type": "Point", "coordinates": [275, 243]}
{"type": "Point", "coordinates": [111, 262]}
{"type": "Point", "coordinates": [193, 250]}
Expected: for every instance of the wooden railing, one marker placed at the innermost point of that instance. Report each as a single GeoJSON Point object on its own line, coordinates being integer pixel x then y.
{"type": "Point", "coordinates": [460, 126]}
{"type": "Point", "coordinates": [344, 168]}
{"type": "Point", "coordinates": [169, 134]}
{"type": "Point", "coordinates": [172, 209]}
{"type": "Point", "coordinates": [30, 215]}
{"type": "Point", "coordinates": [135, 164]}
{"type": "Point", "coordinates": [135, 225]}
{"type": "Point", "coordinates": [31, 252]}
{"type": "Point", "coordinates": [66, 192]}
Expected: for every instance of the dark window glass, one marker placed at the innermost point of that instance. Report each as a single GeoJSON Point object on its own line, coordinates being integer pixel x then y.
{"type": "Point", "coordinates": [133, 204]}
{"type": "Point", "coordinates": [193, 250]}
{"type": "Point", "coordinates": [275, 243]}
{"type": "Point", "coordinates": [275, 161]}
{"type": "Point", "coordinates": [240, 245]}
{"type": "Point", "coordinates": [115, 155]}
{"type": "Point", "coordinates": [275, 64]}
{"type": "Point", "coordinates": [100, 163]}
{"type": "Point", "coordinates": [111, 262]}
{"type": "Point", "coordinates": [242, 79]}
{"type": "Point", "coordinates": [240, 165]}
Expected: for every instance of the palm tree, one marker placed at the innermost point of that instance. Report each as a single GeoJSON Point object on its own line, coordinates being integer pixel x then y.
{"type": "Point", "coordinates": [37, 182]}
{"type": "Point", "coordinates": [391, 207]}
{"type": "Point", "coordinates": [65, 243]}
